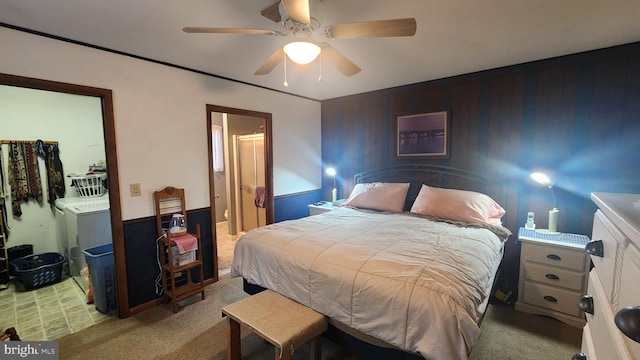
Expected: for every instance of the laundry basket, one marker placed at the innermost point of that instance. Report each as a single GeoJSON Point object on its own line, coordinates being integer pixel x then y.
{"type": "Point", "coordinates": [89, 185]}
{"type": "Point", "coordinates": [35, 271]}
{"type": "Point", "coordinates": [102, 274]}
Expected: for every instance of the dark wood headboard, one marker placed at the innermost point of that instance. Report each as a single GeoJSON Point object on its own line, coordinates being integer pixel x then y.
{"type": "Point", "coordinates": [436, 176]}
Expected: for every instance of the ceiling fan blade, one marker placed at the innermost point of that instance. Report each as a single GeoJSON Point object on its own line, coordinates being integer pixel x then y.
{"type": "Point", "coordinates": [216, 30]}
{"type": "Point", "coordinates": [271, 63]}
{"type": "Point", "coordinates": [379, 28]}
{"type": "Point", "coordinates": [297, 10]}
{"type": "Point", "coordinates": [272, 12]}
{"type": "Point", "coordinates": [339, 61]}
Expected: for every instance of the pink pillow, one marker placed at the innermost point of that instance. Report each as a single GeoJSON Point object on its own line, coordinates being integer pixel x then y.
{"type": "Point", "coordinates": [458, 205]}
{"type": "Point", "coordinates": [378, 196]}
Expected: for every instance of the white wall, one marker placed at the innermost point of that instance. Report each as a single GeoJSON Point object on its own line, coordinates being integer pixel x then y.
{"type": "Point", "coordinates": [160, 118]}
{"type": "Point", "coordinates": [75, 122]}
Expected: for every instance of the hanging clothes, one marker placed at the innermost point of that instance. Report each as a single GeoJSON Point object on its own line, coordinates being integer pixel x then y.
{"type": "Point", "coordinates": [24, 175]}
{"type": "Point", "coordinates": [55, 179]}
{"type": "Point", "coordinates": [3, 205]}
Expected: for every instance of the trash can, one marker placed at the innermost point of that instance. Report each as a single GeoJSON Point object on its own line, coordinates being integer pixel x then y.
{"type": "Point", "coordinates": [102, 276]}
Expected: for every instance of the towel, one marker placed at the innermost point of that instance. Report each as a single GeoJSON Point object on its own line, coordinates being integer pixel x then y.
{"type": "Point", "coordinates": [186, 242]}
{"type": "Point", "coordinates": [261, 195]}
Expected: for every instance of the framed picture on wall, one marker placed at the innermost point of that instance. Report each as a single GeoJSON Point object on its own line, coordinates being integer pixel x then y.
{"type": "Point", "coordinates": [424, 135]}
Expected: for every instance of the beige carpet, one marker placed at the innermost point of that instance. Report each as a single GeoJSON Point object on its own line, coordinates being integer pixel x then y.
{"type": "Point", "coordinates": [198, 331]}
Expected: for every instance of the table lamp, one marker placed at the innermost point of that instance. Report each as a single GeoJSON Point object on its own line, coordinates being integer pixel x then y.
{"type": "Point", "coordinates": [544, 180]}
{"type": "Point", "coordinates": [334, 192]}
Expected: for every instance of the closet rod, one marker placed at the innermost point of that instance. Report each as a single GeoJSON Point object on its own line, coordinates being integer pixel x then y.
{"type": "Point", "coordinates": [28, 141]}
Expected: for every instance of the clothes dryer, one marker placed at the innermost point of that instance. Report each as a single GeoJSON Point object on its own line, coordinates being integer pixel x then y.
{"type": "Point", "coordinates": [62, 240]}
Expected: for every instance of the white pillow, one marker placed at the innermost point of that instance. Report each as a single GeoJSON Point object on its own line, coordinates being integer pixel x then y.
{"type": "Point", "coordinates": [378, 196]}
{"type": "Point", "coordinates": [458, 205]}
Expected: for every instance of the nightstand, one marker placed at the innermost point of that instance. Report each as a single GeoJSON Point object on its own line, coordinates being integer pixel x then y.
{"type": "Point", "coordinates": [554, 270]}
{"type": "Point", "coordinates": [321, 207]}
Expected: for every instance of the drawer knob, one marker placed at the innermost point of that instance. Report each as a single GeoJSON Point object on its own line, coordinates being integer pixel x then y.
{"type": "Point", "coordinates": [552, 277]}
{"type": "Point", "coordinates": [586, 304]}
{"type": "Point", "coordinates": [595, 248]}
{"type": "Point", "coordinates": [579, 356]}
{"type": "Point", "coordinates": [553, 257]}
{"type": "Point", "coordinates": [550, 299]}
{"type": "Point", "coordinates": [628, 321]}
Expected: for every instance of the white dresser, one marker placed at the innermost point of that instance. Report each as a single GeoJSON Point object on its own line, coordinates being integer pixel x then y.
{"type": "Point", "coordinates": [614, 282]}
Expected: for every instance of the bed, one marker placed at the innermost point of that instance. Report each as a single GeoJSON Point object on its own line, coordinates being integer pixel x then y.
{"type": "Point", "coordinates": [406, 264]}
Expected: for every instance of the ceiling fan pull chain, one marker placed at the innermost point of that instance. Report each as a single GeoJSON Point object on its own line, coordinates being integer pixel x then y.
{"type": "Point", "coordinates": [285, 69]}
{"type": "Point", "coordinates": [320, 77]}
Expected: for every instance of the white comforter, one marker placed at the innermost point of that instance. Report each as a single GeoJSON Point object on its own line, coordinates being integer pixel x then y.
{"type": "Point", "coordinates": [411, 282]}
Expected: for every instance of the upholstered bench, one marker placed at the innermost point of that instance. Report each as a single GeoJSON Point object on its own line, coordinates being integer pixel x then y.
{"type": "Point", "coordinates": [284, 323]}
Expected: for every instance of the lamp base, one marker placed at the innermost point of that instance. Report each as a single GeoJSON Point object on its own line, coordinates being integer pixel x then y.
{"type": "Point", "coordinates": [553, 219]}
{"type": "Point", "coordinates": [547, 232]}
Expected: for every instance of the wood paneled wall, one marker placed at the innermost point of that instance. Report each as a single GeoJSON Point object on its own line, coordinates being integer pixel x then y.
{"type": "Point", "coordinates": [578, 116]}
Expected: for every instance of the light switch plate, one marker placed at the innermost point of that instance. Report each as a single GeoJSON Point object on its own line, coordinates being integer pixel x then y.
{"type": "Point", "coordinates": [135, 189]}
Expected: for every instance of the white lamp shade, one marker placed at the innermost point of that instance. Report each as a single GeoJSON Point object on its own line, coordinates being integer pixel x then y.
{"type": "Point", "coordinates": [542, 179]}
{"type": "Point", "coordinates": [301, 52]}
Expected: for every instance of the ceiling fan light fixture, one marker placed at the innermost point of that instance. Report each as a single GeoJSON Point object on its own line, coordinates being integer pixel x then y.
{"type": "Point", "coordinates": [301, 52]}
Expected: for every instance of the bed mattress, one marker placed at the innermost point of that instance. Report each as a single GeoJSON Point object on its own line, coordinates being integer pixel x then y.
{"type": "Point", "coordinates": [417, 284]}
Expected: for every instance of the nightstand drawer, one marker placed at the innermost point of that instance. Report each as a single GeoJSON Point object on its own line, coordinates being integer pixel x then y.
{"type": "Point", "coordinates": [556, 256]}
{"type": "Point", "coordinates": [555, 276]}
{"type": "Point", "coordinates": [315, 210]}
{"type": "Point", "coordinates": [552, 298]}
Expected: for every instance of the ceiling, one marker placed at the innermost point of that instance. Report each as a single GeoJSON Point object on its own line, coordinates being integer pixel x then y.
{"type": "Point", "coordinates": [453, 37]}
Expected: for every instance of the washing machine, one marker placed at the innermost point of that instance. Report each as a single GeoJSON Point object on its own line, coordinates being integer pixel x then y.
{"type": "Point", "coordinates": [82, 223]}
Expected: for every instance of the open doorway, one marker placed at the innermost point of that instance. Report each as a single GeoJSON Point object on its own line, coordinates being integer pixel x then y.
{"type": "Point", "coordinates": [240, 176]}
{"type": "Point", "coordinates": [115, 221]}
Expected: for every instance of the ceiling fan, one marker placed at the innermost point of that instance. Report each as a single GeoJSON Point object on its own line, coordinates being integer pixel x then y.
{"type": "Point", "coordinates": [295, 16]}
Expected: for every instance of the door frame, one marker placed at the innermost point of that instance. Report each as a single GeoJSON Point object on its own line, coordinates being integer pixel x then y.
{"type": "Point", "coordinates": [109, 130]}
{"type": "Point", "coordinates": [268, 166]}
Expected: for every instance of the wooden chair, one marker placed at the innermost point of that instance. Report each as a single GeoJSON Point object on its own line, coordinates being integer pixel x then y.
{"type": "Point", "coordinates": [170, 201]}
